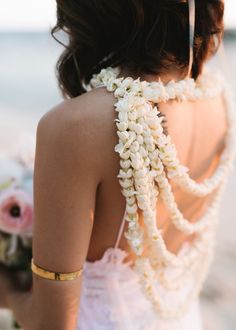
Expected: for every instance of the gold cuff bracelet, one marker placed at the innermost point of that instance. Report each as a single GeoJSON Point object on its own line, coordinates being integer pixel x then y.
{"type": "Point", "coordinates": [56, 276]}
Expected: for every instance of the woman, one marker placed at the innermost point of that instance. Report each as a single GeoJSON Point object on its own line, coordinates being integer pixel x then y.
{"type": "Point", "coordinates": [123, 239]}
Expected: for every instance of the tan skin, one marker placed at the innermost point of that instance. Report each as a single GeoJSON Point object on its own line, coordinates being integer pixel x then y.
{"type": "Point", "coordinates": [78, 201]}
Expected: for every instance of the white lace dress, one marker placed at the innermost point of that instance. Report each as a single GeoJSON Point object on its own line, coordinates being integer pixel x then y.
{"type": "Point", "coordinates": [112, 298]}
{"type": "Point", "coordinates": [159, 290]}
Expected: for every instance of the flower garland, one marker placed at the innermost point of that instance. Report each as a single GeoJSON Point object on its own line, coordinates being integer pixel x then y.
{"type": "Point", "coordinates": [147, 160]}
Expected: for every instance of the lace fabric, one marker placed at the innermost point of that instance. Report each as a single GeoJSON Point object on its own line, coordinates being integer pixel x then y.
{"type": "Point", "coordinates": [112, 299]}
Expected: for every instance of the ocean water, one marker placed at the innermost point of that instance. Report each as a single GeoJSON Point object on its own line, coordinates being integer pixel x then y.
{"type": "Point", "coordinates": [28, 86]}
{"type": "Point", "coordinates": [28, 89]}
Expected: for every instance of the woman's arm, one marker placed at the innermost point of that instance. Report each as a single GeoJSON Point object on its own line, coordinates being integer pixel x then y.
{"type": "Point", "coordinates": [66, 178]}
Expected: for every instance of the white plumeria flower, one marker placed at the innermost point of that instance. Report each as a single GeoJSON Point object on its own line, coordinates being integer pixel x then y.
{"type": "Point", "coordinates": [96, 83]}
{"type": "Point", "coordinates": [133, 115]}
{"type": "Point", "coordinates": [133, 225]}
{"type": "Point", "coordinates": [142, 190]}
{"type": "Point", "coordinates": [138, 129]}
{"type": "Point", "coordinates": [119, 148]}
{"type": "Point", "coordinates": [149, 214]}
{"type": "Point", "coordinates": [148, 93]}
{"type": "Point", "coordinates": [170, 88]}
{"type": "Point", "coordinates": [130, 141]}
{"type": "Point", "coordinates": [141, 173]}
{"type": "Point", "coordinates": [142, 198]}
{"type": "Point", "coordinates": [143, 152]}
{"type": "Point", "coordinates": [151, 147]}
{"type": "Point", "coordinates": [131, 200]}
{"type": "Point", "coordinates": [140, 139]}
{"type": "Point", "coordinates": [135, 156]}
{"type": "Point", "coordinates": [137, 164]}
{"type": "Point", "coordinates": [146, 162]}
{"type": "Point", "coordinates": [132, 135]}
{"type": "Point", "coordinates": [125, 154]}
{"type": "Point", "coordinates": [127, 82]}
{"type": "Point", "coordinates": [157, 165]}
{"type": "Point", "coordinates": [113, 84]}
{"type": "Point", "coordinates": [131, 208]}
{"type": "Point", "coordinates": [149, 139]}
{"type": "Point", "coordinates": [161, 141]}
{"type": "Point", "coordinates": [125, 175]}
{"type": "Point", "coordinates": [123, 116]}
{"type": "Point", "coordinates": [136, 242]}
{"type": "Point", "coordinates": [154, 155]}
{"type": "Point", "coordinates": [122, 105]}
{"type": "Point", "coordinates": [124, 136]}
{"type": "Point", "coordinates": [134, 147]}
{"type": "Point", "coordinates": [157, 132]}
{"type": "Point", "coordinates": [136, 88]}
{"type": "Point", "coordinates": [141, 181]}
{"type": "Point", "coordinates": [129, 192]}
{"type": "Point", "coordinates": [120, 92]}
{"type": "Point", "coordinates": [122, 126]}
{"type": "Point", "coordinates": [146, 132]}
{"type": "Point", "coordinates": [131, 233]}
{"type": "Point", "coordinates": [132, 125]}
{"type": "Point", "coordinates": [154, 173]}
{"type": "Point", "coordinates": [125, 164]}
{"type": "Point", "coordinates": [137, 101]}
{"type": "Point", "coordinates": [126, 183]}
{"type": "Point", "coordinates": [153, 122]}
{"type": "Point", "coordinates": [153, 112]}
{"type": "Point", "coordinates": [141, 110]}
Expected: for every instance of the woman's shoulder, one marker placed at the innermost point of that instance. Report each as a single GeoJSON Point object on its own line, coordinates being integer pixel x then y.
{"type": "Point", "coordinates": [83, 125]}
{"type": "Point", "coordinates": [77, 115]}
{"type": "Point", "coordinates": [86, 108]}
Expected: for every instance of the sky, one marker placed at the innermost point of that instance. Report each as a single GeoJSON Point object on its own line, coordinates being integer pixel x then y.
{"type": "Point", "coordinates": [28, 15]}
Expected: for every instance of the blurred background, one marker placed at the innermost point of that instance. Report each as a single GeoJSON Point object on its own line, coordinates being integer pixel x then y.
{"type": "Point", "coordinates": [28, 89]}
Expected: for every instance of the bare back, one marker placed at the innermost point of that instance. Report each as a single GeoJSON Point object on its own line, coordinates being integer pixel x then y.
{"type": "Point", "coordinates": [196, 128]}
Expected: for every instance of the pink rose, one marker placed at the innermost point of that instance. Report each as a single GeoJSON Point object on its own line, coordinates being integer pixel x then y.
{"type": "Point", "coordinates": [16, 212]}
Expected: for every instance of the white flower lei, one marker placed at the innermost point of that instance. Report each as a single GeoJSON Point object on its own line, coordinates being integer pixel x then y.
{"type": "Point", "coordinates": [147, 160]}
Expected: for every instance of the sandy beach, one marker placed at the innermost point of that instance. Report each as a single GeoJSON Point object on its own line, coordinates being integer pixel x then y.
{"type": "Point", "coordinates": [28, 89]}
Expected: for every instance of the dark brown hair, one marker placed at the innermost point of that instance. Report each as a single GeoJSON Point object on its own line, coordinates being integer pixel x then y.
{"type": "Point", "coordinates": [143, 36]}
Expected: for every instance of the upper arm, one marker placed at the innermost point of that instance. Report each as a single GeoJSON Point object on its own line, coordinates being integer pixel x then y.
{"type": "Point", "coordinates": [65, 183]}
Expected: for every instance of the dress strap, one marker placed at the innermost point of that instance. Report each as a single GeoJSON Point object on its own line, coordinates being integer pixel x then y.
{"type": "Point", "coordinates": [120, 232]}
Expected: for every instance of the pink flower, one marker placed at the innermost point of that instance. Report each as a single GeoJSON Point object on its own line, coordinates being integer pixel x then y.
{"type": "Point", "coordinates": [16, 212]}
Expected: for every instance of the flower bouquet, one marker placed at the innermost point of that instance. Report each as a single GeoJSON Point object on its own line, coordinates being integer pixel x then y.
{"type": "Point", "coordinates": [16, 217]}
{"type": "Point", "coordinates": [17, 154]}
